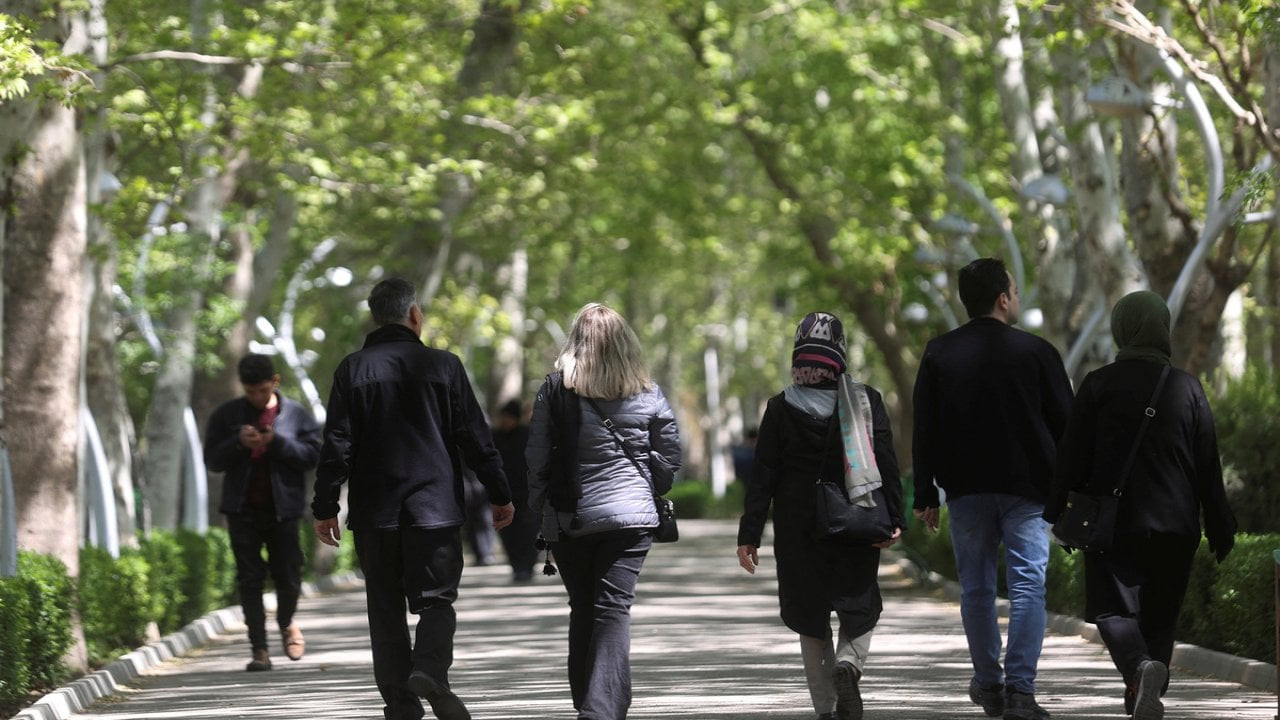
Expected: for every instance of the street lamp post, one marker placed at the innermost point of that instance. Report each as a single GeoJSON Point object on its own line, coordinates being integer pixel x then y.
{"type": "Point", "coordinates": [8, 517]}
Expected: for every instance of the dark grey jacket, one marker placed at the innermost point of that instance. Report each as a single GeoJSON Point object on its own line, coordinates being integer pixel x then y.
{"type": "Point", "coordinates": [292, 453]}
{"type": "Point", "coordinates": [614, 493]}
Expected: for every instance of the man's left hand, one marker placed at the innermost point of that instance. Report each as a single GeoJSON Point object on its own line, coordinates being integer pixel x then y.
{"type": "Point", "coordinates": [328, 531]}
{"type": "Point", "coordinates": [503, 515]}
{"type": "Point", "coordinates": [897, 533]}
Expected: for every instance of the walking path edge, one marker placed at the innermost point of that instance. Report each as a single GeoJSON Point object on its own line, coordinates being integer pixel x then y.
{"type": "Point", "coordinates": [1192, 658]}
{"type": "Point", "coordinates": [79, 694]}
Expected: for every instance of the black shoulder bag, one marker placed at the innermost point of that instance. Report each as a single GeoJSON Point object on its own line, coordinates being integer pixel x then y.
{"type": "Point", "coordinates": [836, 518]}
{"type": "Point", "coordinates": [667, 531]}
{"type": "Point", "coordinates": [1089, 521]}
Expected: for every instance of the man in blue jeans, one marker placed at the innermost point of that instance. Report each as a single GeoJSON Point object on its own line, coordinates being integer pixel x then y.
{"type": "Point", "coordinates": [990, 403]}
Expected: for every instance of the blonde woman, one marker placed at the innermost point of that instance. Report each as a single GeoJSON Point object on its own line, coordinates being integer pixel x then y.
{"type": "Point", "coordinates": [596, 498]}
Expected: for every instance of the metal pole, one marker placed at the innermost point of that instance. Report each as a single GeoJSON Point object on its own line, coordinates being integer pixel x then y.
{"type": "Point", "coordinates": [103, 530]}
{"type": "Point", "coordinates": [1276, 557]}
{"type": "Point", "coordinates": [8, 518]}
{"type": "Point", "coordinates": [195, 505]}
{"type": "Point", "coordinates": [711, 365]}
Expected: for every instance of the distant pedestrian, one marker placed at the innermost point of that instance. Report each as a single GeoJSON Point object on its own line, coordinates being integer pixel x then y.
{"type": "Point", "coordinates": [990, 403]}
{"type": "Point", "coordinates": [477, 529]}
{"type": "Point", "coordinates": [1134, 591]}
{"type": "Point", "coordinates": [402, 422]}
{"type": "Point", "coordinates": [511, 436]}
{"type": "Point", "coordinates": [744, 455]}
{"type": "Point", "coordinates": [800, 441]}
{"type": "Point", "coordinates": [596, 503]}
{"type": "Point", "coordinates": [264, 443]}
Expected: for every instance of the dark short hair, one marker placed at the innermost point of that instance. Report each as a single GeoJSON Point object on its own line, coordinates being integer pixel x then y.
{"type": "Point", "coordinates": [512, 408]}
{"type": "Point", "coordinates": [255, 368]}
{"type": "Point", "coordinates": [390, 300]}
{"type": "Point", "coordinates": [981, 284]}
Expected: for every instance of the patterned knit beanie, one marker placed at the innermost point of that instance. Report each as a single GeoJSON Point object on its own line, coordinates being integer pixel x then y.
{"type": "Point", "coordinates": [818, 356]}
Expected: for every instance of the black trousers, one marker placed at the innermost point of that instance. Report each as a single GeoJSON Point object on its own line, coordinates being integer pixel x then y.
{"type": "Point", "coordinates": [600, 573]}
{"type": "Point", "coordinates": [518, 539]}
{"type": "Point", "coordinates": [250, 532]}
{"type": "Point", "coordinates": [1134, 593]}
{"type": "Point", "coordinates": [420, 569]}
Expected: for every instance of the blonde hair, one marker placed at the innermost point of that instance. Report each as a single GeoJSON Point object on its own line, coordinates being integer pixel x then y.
{"type": "Point", "coordinates": [602, 358]}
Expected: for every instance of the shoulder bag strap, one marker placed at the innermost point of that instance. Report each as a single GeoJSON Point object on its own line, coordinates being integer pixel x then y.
{"type": "Point", "coordinates": [613, 430]}
{"type": "Point", "coordinates": [1142, 430]}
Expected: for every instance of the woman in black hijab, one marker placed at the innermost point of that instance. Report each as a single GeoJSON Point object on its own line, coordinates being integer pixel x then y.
{"type": "Point", "coordinates": [1134, 591]}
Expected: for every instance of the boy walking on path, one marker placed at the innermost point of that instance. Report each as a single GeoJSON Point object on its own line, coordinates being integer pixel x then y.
{"type": "Point", "coordinates": [264, 443]}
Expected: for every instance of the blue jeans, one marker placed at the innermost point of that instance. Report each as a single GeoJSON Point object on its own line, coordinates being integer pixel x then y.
{"type": "Point", "coordinates": [979, 524]}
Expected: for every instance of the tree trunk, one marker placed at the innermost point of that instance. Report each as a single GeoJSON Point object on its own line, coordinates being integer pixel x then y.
{"type": "Point", "coordinates": [204, 204]}
{"type": "Point", "coordinates": [44, 255]}
{"type": "Point", "coordinates": [508, 362]}
{"type": "Point", "coordinates": [1271, 299]}
{"type": "Point", "coordinates": [492, 51]}
{"type": "Point", "coordinates": [1015, 101]}
{"type": "Point", "coordinates": [103, 386]}
{"type": "Point", "coordinates": [1111, 269]}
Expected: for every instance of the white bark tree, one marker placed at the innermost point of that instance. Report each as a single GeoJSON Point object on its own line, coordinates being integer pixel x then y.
{"type": "Point", "coordinates": [103, 387]}
{"type": "Point", "coordinates": [214, 181]}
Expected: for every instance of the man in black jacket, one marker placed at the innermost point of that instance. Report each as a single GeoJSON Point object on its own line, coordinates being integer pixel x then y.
{"type": "Point", "coordinates": [264, 443]}
{"type": "Point", "coordinates": [990, 404]}
{"type": "Point", "coordinates": [402, 421]}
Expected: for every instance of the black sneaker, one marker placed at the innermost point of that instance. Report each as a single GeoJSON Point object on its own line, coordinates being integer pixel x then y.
{"type": "Point", "coordinates": [444, 703]}
{"type": "Point", "coordinates": [1023, 706]}
{"type": "Point", "coordinates": [848, 698]}
{"type": "Point", "coordinates": [990, 698]}
{"type": "Point", "coordinates": [1152, 675]}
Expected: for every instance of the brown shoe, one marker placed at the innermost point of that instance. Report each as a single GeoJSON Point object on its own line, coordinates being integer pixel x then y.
{"type": "Point", "coordinates": [294, 645]}
{"type": "Point", "coordinates": [261, 661]}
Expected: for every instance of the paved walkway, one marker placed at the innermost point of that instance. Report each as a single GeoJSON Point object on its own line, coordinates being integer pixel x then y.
{"type": "Point", "coordinates": [707, 645]}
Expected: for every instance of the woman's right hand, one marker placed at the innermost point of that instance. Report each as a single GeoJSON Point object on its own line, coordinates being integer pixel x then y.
{"type": "Point", "coordinates": [748, 557]}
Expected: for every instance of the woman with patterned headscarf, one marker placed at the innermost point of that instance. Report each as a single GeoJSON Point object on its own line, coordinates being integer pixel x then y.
{"type": "Point", "coordinates": [802, 439]}
{"type": "Point", "coordinates": [1134, 591]}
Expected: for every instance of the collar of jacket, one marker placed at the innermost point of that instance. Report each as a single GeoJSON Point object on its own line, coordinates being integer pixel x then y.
{"type": "Point", "coordinates": [249, 409]}
{"type": "Point", "coordinates": [393, 332]}
{"type": "Point", "coordinates": [987, 320]}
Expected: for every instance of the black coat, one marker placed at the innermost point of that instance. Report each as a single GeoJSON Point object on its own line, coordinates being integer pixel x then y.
{"type": "Point", "coordinates": [402, 419]}
{"type": "Point", "coordinates": [990, 403]}
{"type": "Point", "coordinates": [793, 450]}
{"type": "Point", "coordinates": [1177, 473]}
{"type": "Point", "coordinates": [292, 452]}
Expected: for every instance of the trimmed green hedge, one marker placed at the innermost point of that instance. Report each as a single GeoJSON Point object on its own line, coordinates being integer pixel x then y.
{"type": "Point", "coordinates": [115, 602]}
{"type": "Point", "coordinates": [165, 573]}
{"type": "Point", "coordinates": [209, 580]}
{"type": "Point", "coordinates": [1247, 416]}
{"type": "Point", "coordinates": [52, 595]}
{"type": "Point", "coordinates": [15, 614]}
{"type": "Point", "coordinates": [1228, 607]}
{"type": "Point", "coordinates": [693, 498]}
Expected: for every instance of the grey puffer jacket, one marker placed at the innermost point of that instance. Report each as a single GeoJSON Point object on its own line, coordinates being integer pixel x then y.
{"type": "Point", "coordinates": [614, 493]}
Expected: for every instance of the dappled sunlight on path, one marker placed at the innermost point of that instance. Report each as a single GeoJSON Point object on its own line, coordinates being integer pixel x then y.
{"type": "Point", "coordinates": [707, 645]}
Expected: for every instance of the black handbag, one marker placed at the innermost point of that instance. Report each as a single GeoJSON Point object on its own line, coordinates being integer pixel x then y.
{"type": "Point", "coordinates": [838, 520]}
{"type": "Point", "coordinates": [1088, 522]}
{"type": "Point", "coordinates": [667, 531]}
